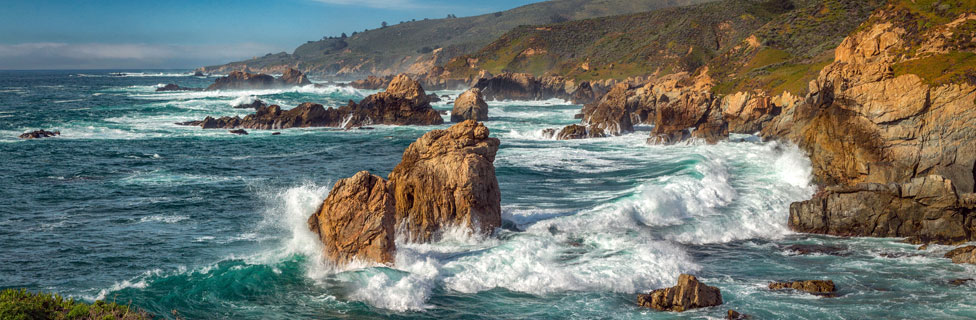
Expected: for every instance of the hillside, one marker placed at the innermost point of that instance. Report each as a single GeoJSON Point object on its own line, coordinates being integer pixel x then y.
{"type": "Point", "coordinates": [415, 46]}
{"type": "Point", "coordinates": [675, 40]}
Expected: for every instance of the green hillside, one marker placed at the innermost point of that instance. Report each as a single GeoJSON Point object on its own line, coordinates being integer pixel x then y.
{"type": "Point", "coordinates": [398, 47]}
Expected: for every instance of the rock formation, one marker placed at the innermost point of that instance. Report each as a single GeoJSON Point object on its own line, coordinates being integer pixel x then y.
{"type": "Point", "coordinates": [575, 131]}
{"type": "Point", "coordinates": [356, 220]}
{"type": "Point", "coordinates": [688, 294]}
{"type": "Point", "coordinates": [403, 103]}
{"type": "Point", "coordinates": [470, 105]}
{"type": "Point", "coordinates": [175, 87]}
{"type": "Point", "coordinates": [961, 255]}
{"type": "Point", "coordinates": [523, 86]}
{"type": "Point", "coordinates": [447, 178]}
{"type": "Point", "coordinates": [242, 80]}
{"type": "Point", "coordinates": [818, 287]}
{"type": "Point", "coordinates": [40, 134]}
{"type": "Point", "coordinates": [612, 114]}
{"type": "Point", "coordinates": [256, 104]}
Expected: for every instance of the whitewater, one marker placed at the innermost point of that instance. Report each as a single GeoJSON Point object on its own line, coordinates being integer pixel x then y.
{"type": "Point", "coordinates": [179, 221]}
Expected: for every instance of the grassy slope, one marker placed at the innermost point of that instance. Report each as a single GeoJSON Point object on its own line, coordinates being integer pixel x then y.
{"type": "Point", "coordinates": [20, 304]}
{"type": "Point", "coordinates": [918, 18]}
{"type": "Point", "coordinates": [456, 36]}
{"type": "Point", "coordinates": [666, 41]}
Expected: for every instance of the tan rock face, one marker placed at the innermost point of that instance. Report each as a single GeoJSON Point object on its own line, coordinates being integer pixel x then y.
{"type": "Point", "coordinates": [809, 286]}
{"type": "Point", "coordinates": [470, 105]}
{"type": "Point", "coordinates": [404, 87]}
{"type": "Point", "coordinates": [961, 255]}
{"type": "Point", "coordinates": [356, 221]}
{"type": "Point", "coordinates": [612, 114]}
{"type": "Point", "coordinates": [446, 178]}
{"type": "Point", "coordinates": [688, 294]}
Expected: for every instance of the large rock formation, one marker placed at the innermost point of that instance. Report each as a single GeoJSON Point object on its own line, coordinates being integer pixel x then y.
{"type": "Point", "coordinates": [356, 220]}
{"type": "Point", "coordinates": [612, 114]}
{"type": "Point", "coordinates": [688, 294]}
{"type": "Point", "coordinates": [242, 80]}
{"type": "Point", "coordinates": [523, 86]}
{"type": "Point", "coordinates": [895, 142]}
{"type": "Point", "coordinates": [403, 103]}
{"type": "Point", "coordinates": [470, 105]}
{"type": "Point", "coordinates": [965, 254]}
{"type": "Point", "coordinates": [447, 178]}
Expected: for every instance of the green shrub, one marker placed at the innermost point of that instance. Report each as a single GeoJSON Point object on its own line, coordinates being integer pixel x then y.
{"type": "Point", "coordinates": [20, 304]}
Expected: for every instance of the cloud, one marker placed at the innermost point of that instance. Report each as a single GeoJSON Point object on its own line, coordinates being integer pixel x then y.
{"type": "Point", "coordinates": [381, 4]}
{"type": "Point", "coordinates": [55, 55]}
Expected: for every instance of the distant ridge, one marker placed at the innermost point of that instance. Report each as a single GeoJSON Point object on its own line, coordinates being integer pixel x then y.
{"type": "Point", "coordinates": [416, 46]}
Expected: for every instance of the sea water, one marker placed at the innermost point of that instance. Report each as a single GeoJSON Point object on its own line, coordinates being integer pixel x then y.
{"type": "Point", "coordinates": [128, 207]}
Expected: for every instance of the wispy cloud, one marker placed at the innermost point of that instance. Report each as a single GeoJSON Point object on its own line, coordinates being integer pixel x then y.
{"type": "Point", "coordinates": [381, 4]}
{"type": "Point", "coordinates": [55, 55]}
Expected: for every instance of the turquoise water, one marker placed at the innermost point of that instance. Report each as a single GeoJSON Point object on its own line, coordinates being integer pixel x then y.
{"type": "Point", "coordinates": [127, 206]}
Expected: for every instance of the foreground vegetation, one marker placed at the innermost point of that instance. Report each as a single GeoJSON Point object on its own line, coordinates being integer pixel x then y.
{"type": "Point", "coordinates": [20, 304]}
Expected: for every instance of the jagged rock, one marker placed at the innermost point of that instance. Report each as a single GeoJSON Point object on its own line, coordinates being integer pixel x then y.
{"type": "Point", "coordinates": [575, 131]}
{"type": "Point", "coordinates": [675, 116]}
{"type": "Point", "coordinates": [403, 103]}
{"type": "Point", "coordinates": [239, 132]}
{"type": "Point", "coordinates": [356, 220]}
{"type": "Point", "coordinates": [612, 115]}
{"type": "Point", "coordinates": [688, 294]}
{"type": "Point", "coordinates": [807, 249]}
{"type": "Point", "coordinates": [447, 178]}
{"type": "Point", "coordinates": [818, 287]}
{"type": "Point", "coordinates": [293, 77]}
{"type": "Point", "coordinates": [523, 86]}
{"type": "Point", "coordinates": [549, 133]}
{"type": "Point", "coordinates": [433, 98]}
{"type": "Point", "coordinates": [470, 105]}
{"type": "Point", "coordinates": [241, 80]}
{"type": "Point", "coordinates": [747, 112]}
{"type": "Point", "coordinates": [199, 74]}
{"type": "Point", "coordinates": [256, 104]}
{"type": "Point", "coordinates": [174, 87]}
{"type": "Point", "coordinates": [926, 207]}
{"type": "Point", "coordinates": [961, 255]}
{"type": "Point", "coordinates": [370, 83]}
{"type": "Point", "coordinates": [40, 134]}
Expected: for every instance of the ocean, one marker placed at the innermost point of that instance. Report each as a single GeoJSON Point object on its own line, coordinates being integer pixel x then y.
{"type": "Point", "coordinates": [128, 207]}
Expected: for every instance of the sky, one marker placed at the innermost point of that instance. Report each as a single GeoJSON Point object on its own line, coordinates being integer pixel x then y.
{"type": "Point", "coordinates": [141, 34]}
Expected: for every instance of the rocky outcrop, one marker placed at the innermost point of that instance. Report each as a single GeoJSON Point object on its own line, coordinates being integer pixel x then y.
{"type": "Point", "coordinates": [575, 131]}
{"type": "Point", "coordinates": [447, 179]}
{"type": "Point", "coordinates": [242, 80]}
{"type": "Point", "coordinates": [356, 221]}
{"type": "Point", "coordinates": [927, 207]}
{"type": "Point", "coordinates": [403, 103]}
{"type": "Point", "coordinates": [746, 112]}
{"type": "Point", "coordinates": [523, 86]}
{"type": "Point", "coordinates": [371, 83]}
{"type": "Point", "coordinates": [175, 87]}
{"type": "Point", "coordinates": [470, 105]}
{"type": "Point", "coordinates": [688, 294]}
{"type": "Point", "coordinates": [734, 315]}
{"type": "Point", "coordinates": [612, 114]}
{"type": "Point", "coordinates": [256, 104]}
{"type": "Point", "coordinates": [818, 287]}
{"type": "Point", "coordinates": [40, 134]}
{"type": "Point", "coordinates": [961, 255]}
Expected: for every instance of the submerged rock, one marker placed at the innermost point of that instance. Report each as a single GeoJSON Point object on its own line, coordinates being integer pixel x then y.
{"type": "Point", "coordinates": [959, 282]}
{"type": "Point", "coordinates": [806, 249]}
{"type": "Point", "coordinates": [733, 315]}
{"type": "Point", "coordinates": [818, 287]}
{"type": "Point", "coordinates": [356, 220]}
{"type": "Point", "coordinates": [470, 105]}
{"type": "Point", "coordinates": [40, 134]}
{"type": "Point", "coordinates": [239, 132]}
{"type": "Point", "coordinates": [688, 294]}
{"type": "Point", "coordinates": [175, 87]}
{"type": "Point", "coordinates": [447, 179]}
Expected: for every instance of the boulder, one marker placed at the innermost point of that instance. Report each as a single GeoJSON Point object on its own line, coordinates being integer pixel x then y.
{"type": "Point", "coordinates": [733, 315]}
{"type": "Point", "coordinates": [447, 179]}
{"type": "Point", "coordinates": [239, 132]}
{"type": "Point", "coordinates": [470, 105]}
{"type": "Point", "coordinates": [356, 221]}
{"type": "Point", "coordinates": [40, 134]}
{"type": "Point", "coordinates": [575, 131]}
{"type": "Point", "coordinates": [688, 294]}
{"type": "Point", "coordinates": [962, 255]}
{"type": "Point", "coordinates": [807, 249]}
{"type": "Point", "coordinates": [256, 104]}
{"type": "Point", "coordinates": [818, 287]}
{"type": "Point", "coordinates": [961, 281]}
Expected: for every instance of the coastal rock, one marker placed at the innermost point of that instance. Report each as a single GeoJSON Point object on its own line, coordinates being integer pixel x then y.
{"type": "Point", "coordinates": [239, 132]}
{"type": "Point", "coordinates": [575, 131]}
{"type": "Point", "coordinates": [688, 294]}
{"type": "Point", "coordinates": [962, 255]}
{"type": "Point", "coordinates": [747, 112]}
{"type": "Point", "coordinates": [356, 221]}
{"type": "Point", "coordinates": [927, 208]}
{"type": "Point", "coordinates": [447, 179]}
{"type": "Point", "coordinates": [818, 287]}
{"type": "Point", "coordinates": [242, 80]}
{"type": "Point", "coordinates": [370, 83]}
{"type": "Point", "coordinates": [961, 281]}
{"type": "Point", "coordinates": [807, 249]}
{"type": "Point", "coordinates": [199, 73]}
{"type": "Point", "coordinates": [680, 109]}
{"type": "Point", "coordinates": [611, 114]}
{"type": "Point", "coordinates": [40, 134]}
{"type": "Point", "coordinates": [256, 104]}
{"type": "Point", "coordinates": [523, 86]}
{"type": "Point", "coordinates": [174, 87]}
{"type": "Point", "coordinates": [470, 105]}
{"type": "Point", "coordinates": [733, 315]}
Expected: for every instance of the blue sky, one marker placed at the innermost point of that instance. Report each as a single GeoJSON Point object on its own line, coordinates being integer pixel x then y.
{"type": "Point", "coordinates": [100, 34]}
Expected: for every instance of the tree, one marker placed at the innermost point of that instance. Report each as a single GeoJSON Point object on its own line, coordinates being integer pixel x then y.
{"type": "Point", "coordinates": [384, 24]}
{"type": "Point", "coordinates": [343, 36]}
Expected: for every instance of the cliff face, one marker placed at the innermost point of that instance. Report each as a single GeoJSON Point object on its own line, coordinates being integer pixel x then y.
{"type": "Point", "coordinates": [892, 139]}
